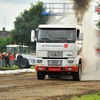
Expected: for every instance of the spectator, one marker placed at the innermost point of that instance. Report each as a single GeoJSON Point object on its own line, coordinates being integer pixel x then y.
{"type": "Point", "coordinates": [12, 56]}
{"type": "Point", "coordinates": [5, 54]}
{"type": "Point", "coordinates": [11, 59]}
{"type": "Point", "coordinates": [7, 60]}
{"type": "Point", "coordinates": [0, 60]}
{"type": "Point", "coordinates": [3, 59]}
{"type": "Point", "coordinates": [0, 56]}
{"type": "Point", "coordinates": [19, 58]}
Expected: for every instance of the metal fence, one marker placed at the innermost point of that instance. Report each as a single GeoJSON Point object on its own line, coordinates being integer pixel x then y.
{"type": "Point", "coordinates": [57, 9]}
{"type": "Point", "coordinates": [11, 63]}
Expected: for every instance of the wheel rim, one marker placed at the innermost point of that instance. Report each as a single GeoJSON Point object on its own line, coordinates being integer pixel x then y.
{"type": "Point", "coordinates": [23, 64]}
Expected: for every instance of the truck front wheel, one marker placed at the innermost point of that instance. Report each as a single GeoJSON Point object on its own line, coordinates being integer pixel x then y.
{"type": "Point", "coordinates": [40, 75]}
{"type": "Point", "coordinates": [77, 75]}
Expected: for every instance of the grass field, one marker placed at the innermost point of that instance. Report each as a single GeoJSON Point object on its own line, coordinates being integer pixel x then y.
{"type": "Point", "coordinates": [88, 97]}
{"type": "Point", "coordinates": [15, 67]}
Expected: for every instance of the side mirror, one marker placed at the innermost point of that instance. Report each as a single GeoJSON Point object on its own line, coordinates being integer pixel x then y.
{"type": "Point", "coordinates": [33, 38]}
{"type": "Point", "coordinates": [81, 36]}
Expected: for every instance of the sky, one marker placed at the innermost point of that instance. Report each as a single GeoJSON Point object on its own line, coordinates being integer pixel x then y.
{"type": "Point", "coordinates": [10, 9]}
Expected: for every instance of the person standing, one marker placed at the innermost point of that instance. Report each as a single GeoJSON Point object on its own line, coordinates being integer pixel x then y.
{"type": "Point", "coordinates": [19, 58]}
{"type": "Point", "coordinates": [0, 56]}
{"type": "Point", "coordinates": [12, 56]}
{"type": "Point", "coordinates": [3, 59]}
{"type": "Point", "coordinates": [7, 60]}
{"type": "Point", "coordinates": [0, 60]}
{"type": "Point", "coordinates": [11, 59]}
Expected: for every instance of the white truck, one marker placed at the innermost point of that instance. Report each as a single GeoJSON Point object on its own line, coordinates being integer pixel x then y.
{"type": "Point", "coordinates": [58, 50]}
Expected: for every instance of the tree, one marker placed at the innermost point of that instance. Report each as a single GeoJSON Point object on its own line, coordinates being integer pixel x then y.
{"type": "Point", "coordinates": [27, 21]}
{"type": "Point", "coordinates": [98, 21]}
{"type": "Point", "coordinates": [4, 42]}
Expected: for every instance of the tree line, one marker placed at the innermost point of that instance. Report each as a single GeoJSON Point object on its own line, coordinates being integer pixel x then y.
{"type": "Point", "coordinates": [27, 20]}
{"type": "Point", "coordinates": [98, 21]}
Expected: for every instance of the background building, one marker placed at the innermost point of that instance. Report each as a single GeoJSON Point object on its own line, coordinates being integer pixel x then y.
{"type": "Point", "coordinates": [4, 33]}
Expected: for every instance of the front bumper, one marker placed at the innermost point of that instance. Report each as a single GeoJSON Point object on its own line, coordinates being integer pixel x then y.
{"type": "Point", "coordinates": [57, 68]}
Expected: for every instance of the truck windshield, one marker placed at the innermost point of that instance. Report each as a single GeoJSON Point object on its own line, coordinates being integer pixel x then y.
{"type": "Point", "coordinates": [8, 49]}
{"type": "Point", "coordinates": [60, 35]}
{"type": "Point", "coordinates": [23, 49]}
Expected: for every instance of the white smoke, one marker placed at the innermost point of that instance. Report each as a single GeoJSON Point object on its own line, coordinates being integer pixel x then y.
{"type": "Point", "coordinates": [91, 65]}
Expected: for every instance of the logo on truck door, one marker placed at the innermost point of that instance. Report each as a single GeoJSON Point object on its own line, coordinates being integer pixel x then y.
{"type": "Point", "coordinates": [66, 45]}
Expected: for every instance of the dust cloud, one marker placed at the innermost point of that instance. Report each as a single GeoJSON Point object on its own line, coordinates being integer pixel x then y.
{"type": "Point", "coordinates": [91, 63]}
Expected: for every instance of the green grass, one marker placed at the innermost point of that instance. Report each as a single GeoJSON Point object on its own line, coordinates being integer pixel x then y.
{"type": "Point", "coordinates": [15, 67]}
{"type": "Point", "coordinates": [32, 66]}
{"type": "Point", "coordinates": [88, 97]}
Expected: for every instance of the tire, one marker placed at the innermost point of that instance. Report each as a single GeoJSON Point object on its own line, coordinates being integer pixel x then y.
{"type": "Point", "coordinates": [24, 63]}
{"type": "Point", "coordinates": [77, 75]}
{"type": "Point", "coordinates": [40, 75]}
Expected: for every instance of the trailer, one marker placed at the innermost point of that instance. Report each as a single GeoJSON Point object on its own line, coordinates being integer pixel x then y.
{"type": "Point", "coordinates": [28, 54]}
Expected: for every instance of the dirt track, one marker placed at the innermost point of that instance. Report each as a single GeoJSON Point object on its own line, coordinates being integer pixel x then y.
{"type": "Point", "coordinates": [25, 86]}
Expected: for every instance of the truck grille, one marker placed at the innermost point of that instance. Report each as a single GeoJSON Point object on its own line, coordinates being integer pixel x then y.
{"type": "Point", "coordinates": [54, 62]}
{"type": "Point", "coordinates": [55, 54]}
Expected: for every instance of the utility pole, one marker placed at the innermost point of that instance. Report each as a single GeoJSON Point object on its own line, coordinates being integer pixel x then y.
{"type": "Point", "coordinates": [5, 21]}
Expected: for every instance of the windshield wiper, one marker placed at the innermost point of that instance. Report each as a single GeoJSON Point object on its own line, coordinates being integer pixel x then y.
{"type": "Point", "coordinates": [64, 38]}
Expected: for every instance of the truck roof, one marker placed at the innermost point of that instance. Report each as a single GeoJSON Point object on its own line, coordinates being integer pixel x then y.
{"type": "Point", "coordinates": [59, 26]}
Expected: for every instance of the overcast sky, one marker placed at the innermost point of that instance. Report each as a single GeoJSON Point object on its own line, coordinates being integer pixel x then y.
{"type": "Point", "coordinates": [9, 9]}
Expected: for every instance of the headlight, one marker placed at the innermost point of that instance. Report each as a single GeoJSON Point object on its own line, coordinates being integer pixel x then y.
{"type": "Point", "coordinates": [69, 68]}
{"type": "Point", "coordinates": [70, 61]}
{"type": "Point", "coordinates": [39, 61]}
{"type": "Point", "coordinates": [40, 68]}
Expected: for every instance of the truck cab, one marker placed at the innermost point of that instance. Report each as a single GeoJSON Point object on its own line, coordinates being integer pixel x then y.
{"type": "Point", "coordinates": [58, 50]}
